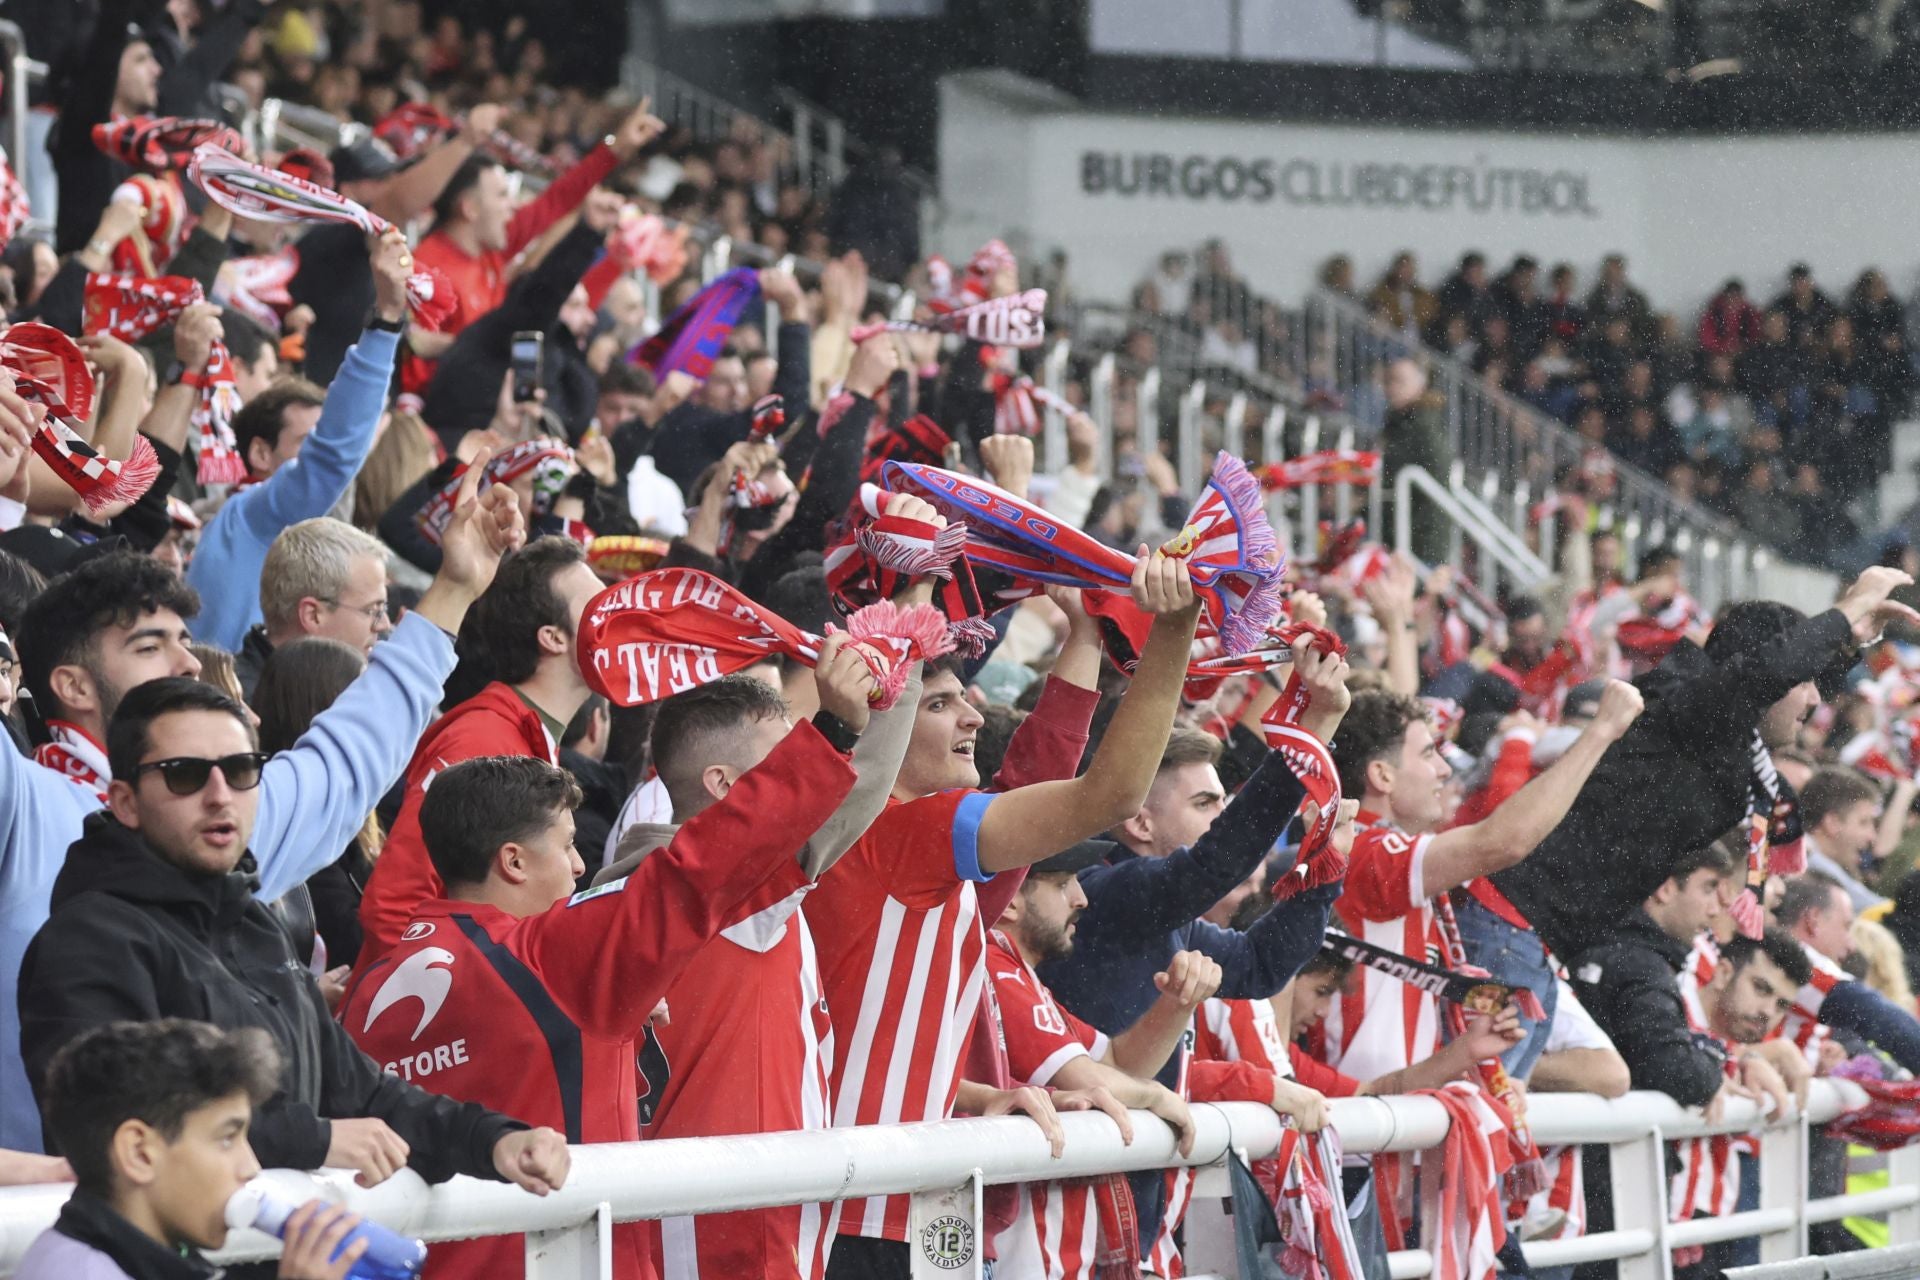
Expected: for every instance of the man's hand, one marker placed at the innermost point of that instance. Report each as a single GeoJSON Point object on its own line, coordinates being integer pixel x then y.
{"type": "Point", "coordinates": [1096, 1099]}
{"type": "Point", "coordinates": [1786, 1058]}
{"type": "Point", "coordinates": [1162, 584]}
{"type": "Point", "coordinates": [369, 1146]}
{"type": "Point", "coordinates": [1832, 1054]}
{"type": "Point", "coordinates": [392, 263]}
{"type": "Point", "coordinates": [672, 392]}
{"type": "Point", "coordinates": [482, 528]}
{"type": "Point", "coordinates": [312, 1233]}
{"type": "Point", "coordinates": [195, 333]}
{"type": "Point", "coordinates": [1190, 979]}
{"type": "Point", "coordinates": [122, 366]}
{"type": "Point", "coordinates": [1390, 594]}
{"type": "Point", "coordinates": [1083, 442]}
{"type": "Point", "coordinates": [1345, 826]}
{"type": "Point", "coordinates": [482, 122]}
{"type": "Point", "coordinates": [1308, 1107]}
{"type": "Point", "coordinates": [1305, 606]}
{"type": "Point", "coordinates": [594, 453]}
{"type": "Point", "coordinates": [1620, 705]}
{"type": "Point", "coordinates": [782, 290]}
{"type": "Point", "coordinates": [637, 130]}
{"type": "Point", "coordinates": [1172, 1108]}
{"type": "Point", "coordinates": [1491, 1034]}
{"type": "Point", "coordinates": [874, 363]}
{"type": "Point", "coordinates": [746, 457]}
{"type": "Point", "coordinates": [1324, 676]}
{"type": "Point", "coordinates": [1080, 623]}
{"type": "Point", "coordinates": [1716, 1109]}
{"type": "Point", "coordinates": [1759, 1075]}
{"type": "Point", "coordinates": [1867, 608]}
{"type": "Point", "coordinates": [333, 986]}
{"type": "Point", "coordinates": [1009, 462]}
{"type": "Point", "coordinates": [534, 1160]}
{"type": "Point", "coordinates": [1032, 1102]}
{"type": "Point", "coordinates": [845, 683]}
{"type": "Point", "coordinates": [19, 419]}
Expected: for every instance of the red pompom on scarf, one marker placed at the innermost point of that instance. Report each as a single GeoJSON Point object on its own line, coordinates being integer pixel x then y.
{"type": "Point", "coordinates": [49, 370]}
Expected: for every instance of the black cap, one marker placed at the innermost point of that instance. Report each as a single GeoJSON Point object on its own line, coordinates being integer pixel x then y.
{"type": "Point", "coordinates": [1799, 271]}
{"type": "Point", "coordinates": [53, 551]}
{"type": "Point", "coordinates": [362, 159]}
{"type": "Point", "coordinates": [1075, 859]}
{"type": "Point", "coordinates": [1583, 700]}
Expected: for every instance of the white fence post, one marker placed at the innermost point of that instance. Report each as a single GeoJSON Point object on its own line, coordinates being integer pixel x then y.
{"type": "Point", "coordinates": [584, 1252]}
{"type": "Point", "coordinates": [1783, 1185]}
{"type": "Point", "coordinates": [943, 1231]}
{"type": "Point", "coordinates": [1639, 1177]}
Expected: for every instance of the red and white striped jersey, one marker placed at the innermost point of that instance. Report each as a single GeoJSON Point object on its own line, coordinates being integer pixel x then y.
{"type": "Point", "coordinates": [898, 933]}
{"type": "Point", "coordinates": [1242, 1031]}
{"type": "Point", "coordinates": [1708, 1182]}
{"type": "Point", "coordinates": [1163, 1258]}
{"type": "Point", "coordinates": [1055, 1235]}
{"type": "Point", "coordinates": [749, 1049]}
{"type": "Point", "coordinates": [1802, 1024]}
{"type": "Point", "coordinates": [1380, 1024]}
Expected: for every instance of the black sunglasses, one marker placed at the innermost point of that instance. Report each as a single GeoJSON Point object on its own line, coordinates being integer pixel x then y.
{"type": "Point", "coordinates": [186, 775]}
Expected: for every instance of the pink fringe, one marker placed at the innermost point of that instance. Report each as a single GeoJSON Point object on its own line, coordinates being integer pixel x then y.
{"type": "Point", "coordinates": [888, 552]}
{"type": "Point", "coordinates": [137, 475]}
{"type": "Point", "coordinates": [1245, 628]}
{"type": "Point", "coordinates": [1748, 917]}
{"type": "Point", "coordinates": [922, 627]}
{"type": "Point", "coordinates": [971, 636]}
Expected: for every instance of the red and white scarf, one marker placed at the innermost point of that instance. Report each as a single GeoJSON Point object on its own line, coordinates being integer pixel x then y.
{"type": "Point", "coordinates": [551, 461]}
{"type": "Point", "coordinates": [879, 552]}
{"type": "Point", "coordinates": [132, 309]}
{"type": "Point", "coordinates": [672, 630]}
{"type": "Point", "coordinates": [1311, 1210]}
{"type": "Point", "coordinates": [268, 195]}
{"type": "Point", "coordinates": [1017, 320]}
{"type": "Point", "coordinates": [1320, 861]}
{"type": "Point", "coordinates": [72, 753]}
{"type": "Point", "coordinates": [1329, 466]}
{"type": "Point", "coordinates": [49, 369]}
{"type": "Point", "coordinates": [257, 285]}
{"type": "Point", "coordinates": [14, 209]}
{"type": "Point", "coordinates": [1462, 1223]}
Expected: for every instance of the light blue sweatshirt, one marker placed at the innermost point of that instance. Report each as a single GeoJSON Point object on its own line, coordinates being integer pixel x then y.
{"type": "Point", "coordinates": [313, 797]}
{"type": "Point", "coordinates": [226, 566]}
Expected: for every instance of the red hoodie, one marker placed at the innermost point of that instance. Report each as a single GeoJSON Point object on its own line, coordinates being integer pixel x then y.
{"type": "Point", "coordinates": [494, 722]}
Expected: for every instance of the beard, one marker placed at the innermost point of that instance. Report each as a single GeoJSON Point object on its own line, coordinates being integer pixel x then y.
{"type": "Point", "coordinates": [1048, 941]}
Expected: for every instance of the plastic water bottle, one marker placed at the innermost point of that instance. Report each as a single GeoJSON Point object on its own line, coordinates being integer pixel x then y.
{"type": "Point", "coordinates": [389, 1255]}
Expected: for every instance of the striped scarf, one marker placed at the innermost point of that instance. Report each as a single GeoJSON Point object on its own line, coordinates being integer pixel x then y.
{"type": "Point", "coordinates": [49, 370]}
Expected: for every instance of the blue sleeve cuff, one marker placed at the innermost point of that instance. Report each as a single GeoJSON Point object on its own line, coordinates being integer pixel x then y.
{"type": "Point", "coordinates": [966, 837]}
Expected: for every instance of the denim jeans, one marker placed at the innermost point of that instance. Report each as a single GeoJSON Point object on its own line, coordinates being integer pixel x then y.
{"type": "Point", "coordinates": [1519, 959]}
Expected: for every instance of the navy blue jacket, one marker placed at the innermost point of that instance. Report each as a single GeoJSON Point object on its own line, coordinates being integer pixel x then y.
{"type": "Point", "coordinates": [1140, 911]}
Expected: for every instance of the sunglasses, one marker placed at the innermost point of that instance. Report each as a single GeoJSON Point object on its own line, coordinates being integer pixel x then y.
{"type": "Point", "coordinates": [187, 775]}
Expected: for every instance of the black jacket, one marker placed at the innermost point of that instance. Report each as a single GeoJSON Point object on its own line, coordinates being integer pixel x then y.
{"type": "Point", "coordinates": [693, 437]}
{"type": "Point", "coordinates": [1676, 782]}
{"type": "Point", "coordinates": [90, 1221]}
{"type": "Point", "coordinates": [132, 937]}
{"type": "Point", "coordinates": [1630, 987]}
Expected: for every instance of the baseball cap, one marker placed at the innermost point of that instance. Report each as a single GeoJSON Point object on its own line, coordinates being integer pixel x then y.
{"type": "Point", "coordinates": [1074, 859]}
{"type": "Point", "coordinates": [362, 159]}
{"type": "Point", "coordinates": [1583, 700]}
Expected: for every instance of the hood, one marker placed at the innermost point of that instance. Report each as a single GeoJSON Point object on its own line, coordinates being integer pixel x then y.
{"type": "Point", "coordinates": [1639, 927]}
{"type": "Point", "coordinates": [636, 842]}
{"type": "Point", "coordinates": [108, 858]}
{"type": "Point", "coordinates": [1685, 661]}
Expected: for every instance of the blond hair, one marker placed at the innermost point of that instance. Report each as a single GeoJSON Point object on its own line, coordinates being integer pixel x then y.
{"type": "Point", "coordinates": [406, 450]}
{"type": "Point", "coordinates": [1886, 961]}
{"type": "Point", "coordinates": [311, 559]}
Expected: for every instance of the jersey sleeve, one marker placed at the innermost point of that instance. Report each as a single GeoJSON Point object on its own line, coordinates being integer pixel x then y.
{"type": "Point", "coordinates": [1383, 875]}
{"type": "Point", "coordinates": [1039, 1039]}
{"type": "Point", "coordinates": [920, 850]}
{"type": "Point", "coordinates": [1317, 1075]}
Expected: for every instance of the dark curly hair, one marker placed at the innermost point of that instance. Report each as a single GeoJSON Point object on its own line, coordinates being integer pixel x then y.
{"type": "Point", "coordinates": [1373, 729]}
{"type": "Point", "coordinates": [61, 627]}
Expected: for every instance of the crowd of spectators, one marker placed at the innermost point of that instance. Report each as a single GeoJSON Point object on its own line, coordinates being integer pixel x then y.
{"type": "Point", "coordinates": [1773, 412]}
{"type": "Point", "coordinates": [348, 820]}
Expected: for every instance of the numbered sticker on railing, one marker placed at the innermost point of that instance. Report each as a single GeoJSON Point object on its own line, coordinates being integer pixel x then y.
{"type": "Point", "coordinates": [943, 1228]}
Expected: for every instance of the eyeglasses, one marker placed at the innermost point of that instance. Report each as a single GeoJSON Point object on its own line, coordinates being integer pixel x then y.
{"type": "Point", "coordinates": [187, 775]}
{"type": "Point", "coordinates": [375, 613]}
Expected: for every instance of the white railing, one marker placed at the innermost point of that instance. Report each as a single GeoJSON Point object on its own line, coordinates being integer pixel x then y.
{"type": "Point", "coordinates": [943, 1164]}
{"type": "Point", "coordinates": [20, 71]}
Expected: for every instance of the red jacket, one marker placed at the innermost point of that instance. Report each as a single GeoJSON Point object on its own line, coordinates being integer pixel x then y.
{"type": "Point", "coordinates": [493, 722]}
{"type": "Point", "coordinates": [480, 280]}
{"type": "Point", "coordinates": [538, 1017]}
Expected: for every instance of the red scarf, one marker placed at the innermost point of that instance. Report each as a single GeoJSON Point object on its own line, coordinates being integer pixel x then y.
{"type": "Point", "coordinates": [162, 144]}
{"type": "Point", "coordinates": [49, 370]}
{"type": "Point", "coordinates": [671, 630]}
{"type": "Point", "coordinates": [1462, 1221]}
{"type": "Point", "coordinates": [1017, 320]}
{"type": "Point", "coordinates": [1312, 1212]}
{"type": "Point", "coordinates": [72, 753]}
{"type": "Point", "coordinates": [269, 195]}
{"type": "Point", "coordinates": [1329, 466]}
{"type": "Point", "coordinates": [131, 309]}
{"type": "Point", "coordinates": [1320, 861]}
{"type": "Point", "coordinates": [877, 555]}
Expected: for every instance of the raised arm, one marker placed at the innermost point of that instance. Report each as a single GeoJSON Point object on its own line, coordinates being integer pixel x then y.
{"type": "Point", "coordinates": [726, 863]}
{"type": "Point", "coordinates": [316, 794]}
{"type": "Point", "coordinates": [1024, 826]}
{"type": "Point", "coordinates": [1187, 982]}
{"type": "Point", "coordinates": [1512, 831]}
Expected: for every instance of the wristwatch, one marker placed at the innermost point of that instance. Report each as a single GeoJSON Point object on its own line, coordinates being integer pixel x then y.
{"type": "Point", "coordinates": [838, 733]}
{"type": "Point", "coordinates": [377, 321]}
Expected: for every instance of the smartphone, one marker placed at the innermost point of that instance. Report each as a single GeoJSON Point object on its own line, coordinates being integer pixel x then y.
{"type": "Point", "coordinates": [525, 363]}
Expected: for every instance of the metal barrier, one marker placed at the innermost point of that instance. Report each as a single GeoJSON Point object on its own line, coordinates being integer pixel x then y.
{"type": "Point", "coordinates": [1500, 553]}
{"type": "Point", "coordinates": [942, 1164]}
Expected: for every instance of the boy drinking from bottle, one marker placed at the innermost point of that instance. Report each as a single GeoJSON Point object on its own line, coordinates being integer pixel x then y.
{"type": "Point", "coordinates": [153, 1118]}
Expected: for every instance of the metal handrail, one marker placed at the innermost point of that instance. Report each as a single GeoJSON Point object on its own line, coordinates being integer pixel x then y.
{"type": "Point", "coordinates": [1473, 520]}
